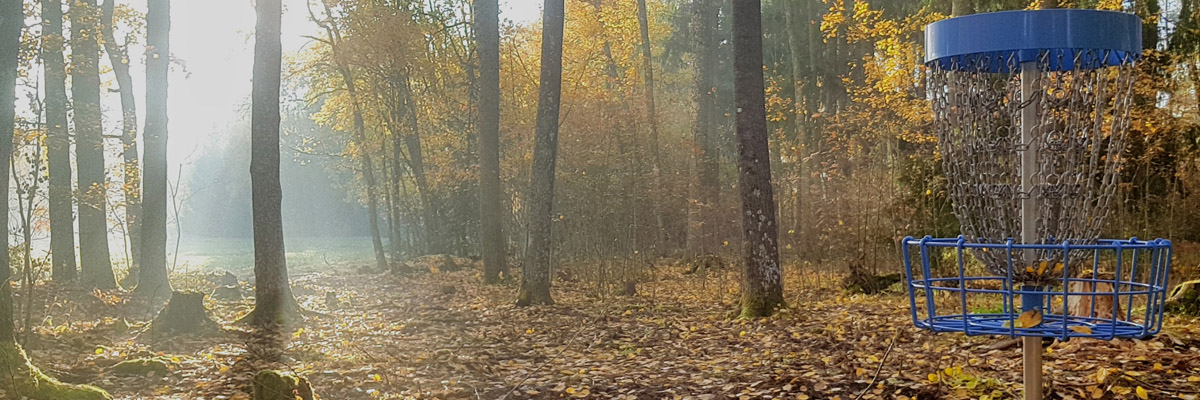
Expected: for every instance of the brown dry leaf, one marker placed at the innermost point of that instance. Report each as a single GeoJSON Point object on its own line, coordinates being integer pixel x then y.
{"type": "Point", "coordinates": [1081, 329]}
{"type": "Point", "coordinates": [1029, 319]}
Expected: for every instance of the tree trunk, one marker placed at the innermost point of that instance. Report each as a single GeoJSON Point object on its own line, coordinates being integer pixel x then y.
{"type": "Point", "coordinates": [11, 21]}
{"type": "Point", "coordinates": [21, 377]}
{"type": "Point", "coordinates": [89, 146]}
{"type": "Point", "coordinates": [152, 271]}
{"type": "Point", "coordinates": [360, 136]}
{"type": "Point", "coordinates": [660, 234]}
{"type": "Point", "coordinates": [368, 166]}
{"type": "Point", "coordinates": [762, 291]}
{"type": "Point", "coordinates": [58, 145]}
{"type": "Point", "coordinates": [535, 280]}
{"type": "Point", "coordinates": [706, 189]}
{"type": "Point", "coordinates": [961, 7]}
{"type": "Point", "coordinates": [273, 299]}
{"type": "Point", "coordinates": [799, 119]}
{"type": "Point", "coordinates": [491, 194]}
{"type": "Point", "coordinates": [118, 56]}
{"type": "Point", "coordinates": [434, 243]}
{"type": "Point", "coordinates": [397, 166]}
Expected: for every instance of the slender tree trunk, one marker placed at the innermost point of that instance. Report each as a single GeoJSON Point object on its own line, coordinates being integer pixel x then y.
{"type": "Point", "coordinates": [89, 145]}
{"type": "Point", "coordinates": [762, 291]}
{"type": "Point", "coordinates": [434, 242]}
{"type": "Point", "coordinates": [58, 144]}
{"type": "Point", "coordinates": [12, 20]}
{"type": "Point", "coordinates": [152, 272]}
{"type": "Point", "coordinates": [360, 136]}
{"type": "Point", "coordinates": [397, 165]}
{"type": "Point", "coordinates": [368, 167]}
{"type": "Point", "coordinates": [118, 55]}
{"type": "Point", "coordinates": [273, 299]}
{"type": "Point", "coordinates": [799, 118]}
{"type": "Point", "coordinates": [706, 190]}
{"type": "Point", "coordinates": [491, 194]}
{"type": "Point", "coordinates": [535, 279]}
{"type": "Point", "coordinates": [660, 235]}
{"type": "Point", "coordinates": [389, 202]}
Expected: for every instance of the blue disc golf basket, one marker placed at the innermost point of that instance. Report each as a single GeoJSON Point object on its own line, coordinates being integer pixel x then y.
{"type": "Point", "coordinates": [1031, 111]}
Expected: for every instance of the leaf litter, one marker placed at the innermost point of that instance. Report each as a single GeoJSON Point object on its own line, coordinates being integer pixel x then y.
{"type": "Point", "coordinates": [379, 336]}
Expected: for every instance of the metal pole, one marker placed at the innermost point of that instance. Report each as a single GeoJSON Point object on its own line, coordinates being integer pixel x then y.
{"type": "Point", "coordinates": [1031, 345]}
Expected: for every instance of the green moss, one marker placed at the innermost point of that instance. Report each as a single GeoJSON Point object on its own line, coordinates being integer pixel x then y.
{"type": "Point", "coordinates": [143, 366]}
{"type": "Point", "coordinates": [533, 297]}
{"type": "Point", "coordinates": [28, 382]}
{"type": "Point", "coordinates": [760, 306]}
{"type": "Point", "coordinates": [275, 385]}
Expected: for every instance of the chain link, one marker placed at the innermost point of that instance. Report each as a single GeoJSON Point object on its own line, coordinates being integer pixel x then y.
{"type": "Point", "coordinates": [1079, 135]}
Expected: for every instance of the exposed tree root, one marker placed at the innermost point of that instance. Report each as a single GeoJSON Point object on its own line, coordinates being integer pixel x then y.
{"type": "Point", "coordinates": [20, 380]}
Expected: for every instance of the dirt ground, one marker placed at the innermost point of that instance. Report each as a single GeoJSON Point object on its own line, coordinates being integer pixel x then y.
{"type": "Point", "coordinates": [445, 335]}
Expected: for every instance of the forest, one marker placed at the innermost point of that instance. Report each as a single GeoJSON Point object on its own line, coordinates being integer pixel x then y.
{"type": "Point", "coordinates": [611, 199]}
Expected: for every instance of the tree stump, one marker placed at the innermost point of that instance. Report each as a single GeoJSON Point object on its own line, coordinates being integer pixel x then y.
{"type": "Point", "coordinates": [1185, 299]}
{"type": "Point", "coordinates": [275, 385]}
{"type": "Point", "coordinates": [862, 281]}
{"type": "Point", "coordinates": [707, 262]}
{"type": "Point", "coordinates": [1082, 305]}
{"type": "Point", "coordinates": [222, 278]}
{"type": "Point", "coordinates": [227, 293]}
{"type": "Point", "coordinates": [184, 314]}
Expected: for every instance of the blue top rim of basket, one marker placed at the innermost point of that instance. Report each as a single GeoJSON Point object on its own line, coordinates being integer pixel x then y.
{"type": "Point", "coordinates": [955, 43]}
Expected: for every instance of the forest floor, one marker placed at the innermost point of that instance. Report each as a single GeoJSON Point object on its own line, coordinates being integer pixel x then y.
{"type": "Point", "coordinates": [445, 335]}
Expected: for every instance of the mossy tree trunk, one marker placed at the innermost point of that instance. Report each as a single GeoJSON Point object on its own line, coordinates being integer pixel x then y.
{"type": "Point", "coordinates": [762, 291]}
{"type": "Point", "coordinates": [535, 279]}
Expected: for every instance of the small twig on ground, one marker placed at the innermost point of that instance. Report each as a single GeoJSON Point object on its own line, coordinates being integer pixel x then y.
{"type": "Point", "coordinates": [1149, 385]}
{"type": "Point", "coordinates": [879, 369]}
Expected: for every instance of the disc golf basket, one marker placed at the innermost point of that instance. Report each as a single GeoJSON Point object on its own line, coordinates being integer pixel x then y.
{"type": "Point", "coordinates": [1031, 109]}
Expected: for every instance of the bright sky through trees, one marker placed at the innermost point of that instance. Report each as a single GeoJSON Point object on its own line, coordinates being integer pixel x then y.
{"type": "Point", "coordinates": [210, 78]}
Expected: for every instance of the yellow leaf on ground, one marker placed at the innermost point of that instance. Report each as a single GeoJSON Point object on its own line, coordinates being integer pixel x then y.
{"type": "Point", "coordinates": [1030, 319]}
{"type": "Point", "coordinates": [1141, 393]}
{"type": "Point", "coordinates": [1101, 375]}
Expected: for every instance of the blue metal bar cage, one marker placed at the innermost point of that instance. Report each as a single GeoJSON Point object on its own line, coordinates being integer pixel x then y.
{"type": "Point", "coordinates": [1103, 289]}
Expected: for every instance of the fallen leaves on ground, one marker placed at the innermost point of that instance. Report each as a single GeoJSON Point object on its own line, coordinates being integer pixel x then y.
{"type": "Point", "coordinates": [407, 337]}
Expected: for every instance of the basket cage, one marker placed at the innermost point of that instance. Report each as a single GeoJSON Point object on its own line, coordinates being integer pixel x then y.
{"type": "Point", "coordinates": [1102, 289]}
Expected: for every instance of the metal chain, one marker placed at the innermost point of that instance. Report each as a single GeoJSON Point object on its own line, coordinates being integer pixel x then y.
{"type": "Point", "coordinates": [1079, 134]}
